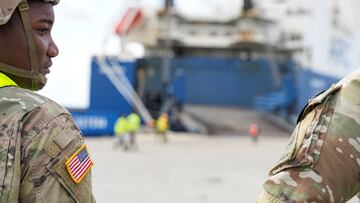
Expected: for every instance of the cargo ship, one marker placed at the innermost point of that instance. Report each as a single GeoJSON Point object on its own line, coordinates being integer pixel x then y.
{"type": "Point", "coordinates": [271, 56]}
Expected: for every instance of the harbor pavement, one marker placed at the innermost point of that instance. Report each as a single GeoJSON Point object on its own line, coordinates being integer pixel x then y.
{"type": "Point", "coordinates": [191, 168]}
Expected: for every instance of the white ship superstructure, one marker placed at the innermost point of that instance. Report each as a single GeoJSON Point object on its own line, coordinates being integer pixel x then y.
{"type": "Point", "coordinates": [323, 34]}
{"type": "Point", "coordinates": [327, 32]}
{"type": "Point", "coordinates": [247, 30]}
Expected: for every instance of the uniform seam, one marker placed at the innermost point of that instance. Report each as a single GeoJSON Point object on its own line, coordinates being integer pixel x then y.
{"type": "Point", "coordinates": [326, 134]}
{"type": "Point", "coordinates": [271, 197]}
{"type": "Point", "coordinates": [41, 130]}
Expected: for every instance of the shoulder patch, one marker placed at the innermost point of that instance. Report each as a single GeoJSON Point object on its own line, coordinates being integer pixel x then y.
{"type": "Point", "coordinates": [79, 164]}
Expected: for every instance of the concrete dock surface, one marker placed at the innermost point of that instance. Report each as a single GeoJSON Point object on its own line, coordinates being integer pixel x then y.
{"type": "Point", "coordinates": [191, 168]}
{"type": "Point", "coordinates": [235, 120]}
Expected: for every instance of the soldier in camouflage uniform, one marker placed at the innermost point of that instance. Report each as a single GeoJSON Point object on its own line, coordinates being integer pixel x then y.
{"type": "Point", "coordinates": [38, 137]}
{"type": "Point", "coordinates": [322, 161]}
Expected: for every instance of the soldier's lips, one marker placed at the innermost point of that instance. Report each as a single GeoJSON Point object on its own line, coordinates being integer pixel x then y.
{"type": "Point", "coordinates": [45, 71]}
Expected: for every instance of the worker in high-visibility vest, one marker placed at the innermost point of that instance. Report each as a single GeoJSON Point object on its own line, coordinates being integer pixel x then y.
{"type": "Point", "coordinates": [134, 123]}
{"type": "Point", "coordinates": [122, 132]}
{"type": "Point", "coordinates": [162, 126]}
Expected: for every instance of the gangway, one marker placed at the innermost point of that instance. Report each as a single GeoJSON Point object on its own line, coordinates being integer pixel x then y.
{"type": "Point", "coordinates": [115, 73]}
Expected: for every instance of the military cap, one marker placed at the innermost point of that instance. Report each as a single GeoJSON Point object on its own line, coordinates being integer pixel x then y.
{"type": "Point", "coordinates": [7, 7]}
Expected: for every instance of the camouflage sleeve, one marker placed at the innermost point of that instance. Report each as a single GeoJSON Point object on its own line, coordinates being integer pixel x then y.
{"type": "Point", "coordinates": [48, 141]}
{"type": "Point", "coordinates": [9, 158]}
{"type": "Point", "coordinates": [321, 163]}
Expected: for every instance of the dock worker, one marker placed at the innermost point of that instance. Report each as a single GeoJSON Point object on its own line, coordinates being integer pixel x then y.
{"type": "Point", "coordinates": [134, 123]}
{"type": "Point", "coordinates": [121, 130]}
{"type": "Point", "coordinates": [162, 126]}
{"type": "Point", "coordinates": [42, 149]}
{"type": "Point", "coordinates": [322, 160]}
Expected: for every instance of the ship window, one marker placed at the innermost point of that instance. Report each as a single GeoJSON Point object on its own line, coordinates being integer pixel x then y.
{"type": "Point", "coordinates": [193, 32]}
{"type": "Point", "coordinates": [213, 33]}
{"type": "Point", "coordinates": [295, 37]}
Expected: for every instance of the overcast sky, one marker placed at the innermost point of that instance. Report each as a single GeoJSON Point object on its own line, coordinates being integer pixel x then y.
{"type": "Point", "coordinates": [79, 31]}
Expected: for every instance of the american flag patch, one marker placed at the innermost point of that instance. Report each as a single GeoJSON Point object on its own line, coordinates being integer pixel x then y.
{"type": "Point", "coordinates": [79, 164]}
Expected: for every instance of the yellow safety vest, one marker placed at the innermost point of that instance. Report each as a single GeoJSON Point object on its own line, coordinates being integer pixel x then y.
{"type": "Point", "coordinates": [6, 81]}
{"type": "Point", "coordinates": [162, 124]}
{"type": "Point", "coordinates": [134, 122]}
{"type": "Point", "coordinates": [121, 126]}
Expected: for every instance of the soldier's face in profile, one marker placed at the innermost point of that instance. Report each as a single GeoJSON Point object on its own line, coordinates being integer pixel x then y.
{"type": "Point", "coordinates": [42, 20]}
{"type": "Point", "coordinates": [14, 50]}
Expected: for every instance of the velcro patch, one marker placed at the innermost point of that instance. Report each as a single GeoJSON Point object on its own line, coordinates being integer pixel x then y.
{"type": "Point", "coordinates": [79, 164]}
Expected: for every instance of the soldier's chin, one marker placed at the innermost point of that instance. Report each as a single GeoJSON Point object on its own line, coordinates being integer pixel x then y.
{"type": "Point", "coordinates": [45, 71]}
{"type": "Point", "coordinates": [38, 86]}
{"type": "Point", "coordinates": [34, 85]}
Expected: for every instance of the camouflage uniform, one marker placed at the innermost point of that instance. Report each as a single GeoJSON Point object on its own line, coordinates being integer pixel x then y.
{"type": "Point", "coordinates": [321, 162]}
{"type": "Point", "coordinates": [37, 136]}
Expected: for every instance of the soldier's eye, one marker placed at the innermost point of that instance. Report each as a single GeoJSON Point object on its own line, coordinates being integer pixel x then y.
{"type": "Point", "coordinates": [44, 30]}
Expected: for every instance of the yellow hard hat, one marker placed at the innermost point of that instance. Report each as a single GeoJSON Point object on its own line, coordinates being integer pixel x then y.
{"type": "Point", "coordinates": [7, 8]}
